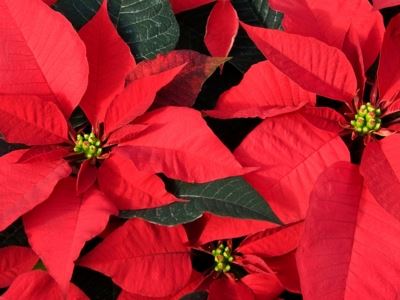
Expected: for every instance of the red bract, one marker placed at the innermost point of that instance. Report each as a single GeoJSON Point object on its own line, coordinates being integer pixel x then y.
{"type": "Point", "coordinates": [305, 61]}
{"type": "Point", "coordinates": [115, 164]}
{"type": "Point", "coordinates": [15, 260]}
{"type": "Point", "coordinates": [39, 285]}
{"type": "Point", "coordinates": [144, 259]}
{"type": "Point", "coordinates": [342, 255]}
{"type": "Point", "coordinates": [379, 4]}
{"type": "Point", "coordinates": [222, 24]}
{"type": "Point", "coordinates": [259, 268]}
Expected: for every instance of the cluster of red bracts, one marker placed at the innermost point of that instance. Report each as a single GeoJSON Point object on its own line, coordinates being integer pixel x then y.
{"type": "Point", "coordinates": [341, 220]}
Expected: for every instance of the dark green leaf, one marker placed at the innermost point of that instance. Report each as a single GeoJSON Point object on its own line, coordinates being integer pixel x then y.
{"type": "Point", "coordinates": [78, 12]}
{"type": "Point", "coordinates": [202, 295]}
{"type": "Point", "coordinates": [232, 197]}
{"type": "Point", "coordinates": [257, 13]}
{"type": "Point", "coordinates": [78, 118]}
{"type": "Point", "coordinates": [149, 27]}
{"type": "Point", "coordinates": [175, 213]}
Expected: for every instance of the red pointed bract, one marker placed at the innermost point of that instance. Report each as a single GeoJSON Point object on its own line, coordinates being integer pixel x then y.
{"type": "Point", "coordinates": [324, 118]}
{"type": "Point", "coordinates": [136, 99]}
{"type": "Point", "coordinates": [143, 259]}
{"type": "Point", "coordinates": [389, 63]}
{"type": "Point", "coordinates": [212, 228]}
{"type": "Point", "coordinates": [380, 166]}
{"type": "Point", "coordinates": [17, 196]}
{"type": "Point", "coordinates": [227, 288]}
{"type": "Point", "coordinates": [66, 221]}
{"type": "Point", "coordinates": [32, 121]}
{"type": "Point", "coordinates": [44, 153]}
{"type": "Point", "coordinates": [126, 133]}
{"type": "Point", "coordinates": [330, 21]}
{"type": "Point", "coordinates": [221, 29]}
{"type": "Point", "coordinates": [110, 61]}
{"type": "Point", "coordinates": [182, 148]}
{"type": "Point", "coordinates": [291, 153]}
{"type": "Point", "coordinates": [129, 188]}
{"type": "Point", "coordinates": [195, 279]}
{"type": "Point", "coordinates": [379, 4]}
{"type": "Point", "coordinates": [312, 64]}
{"type": "Point", "coordinates": [49, 2]}
{"type": "Point", "coordinates": [87, 176]}
{"type": "Point", "coordinates": [15, 260]}
{"type": "Point", "coordinates": [341, 254]}
{"type": "Point", "coordinates": [185, 87]}
{"type": "Point", "coordinates": [273, 242]}
{"type": "Point", "coordinates": [264, 286]}
{"type": "Point", "coordinates": [41, 55]}
{"type": "Point", "coordinates": [263, 92]}
{"type": "Point", "coordinates": [39, 285]}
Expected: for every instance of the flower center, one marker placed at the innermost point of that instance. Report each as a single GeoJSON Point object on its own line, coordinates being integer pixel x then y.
{"type": "Point", "coordinates": [366, 120]}
{"type": "Point", "coordinates": [222, 257]}
{"type": "Point", "coordinates": [88, 144]}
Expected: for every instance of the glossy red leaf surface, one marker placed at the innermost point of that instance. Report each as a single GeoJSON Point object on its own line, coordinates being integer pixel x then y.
{"type": "Point", "coordinates": [39, 285]}
{"type": "Point", "coordinates": [263, 285]}
{"type": "Point", "coordinates": [324, 118]}
{"type": "Point", "coordinates": [350, 242]}
{"type": "Point", "coordinates": [158, 267]}
{"type": "Point", "coordinates": [183, 5]}
{"type": "Point", "coordinates": [87, 176]}
{"type": "Point", "coordinates": [23, 186]}
{"type": "Point", "coordinates": [227, 288]}
{"type": "Point", "coordinates": [195, 279]}
{"type": "Point", "coordinates": [312, 64]}
{"type": "Point", "coordinates": [389, 63]}
{"type": "Point", "coordinates": [130, 188]}
{"type": "Point", "coordinates": [264, 92]}
{"type": "Point", "coordinates": [286, 271]}
{"type": "Point", "coordinates": [136, 99]}
{"type": "Point", "coordinates": [126, 133]}
{"type": "Point", "coordinates": [36, 47]}
{"type": "Point", "coordinates": [379, 4]}
{"type": "Point", "coordinates": [185, 87]}
{"type": "Point", "coordinates": [15, 260]}
{"type": "Point", "coordinates": [221, 29]}
{"type": "Point", "coordinates": [380, 166]}
{"type": "Point", "coordinates": [78, 218]}
{"type": "Point", "coordinates": [32, 121]}
{"type": "Point", "coordinates": [273, 242]}
{"type": "Point", "coordinates": [291, 153]}
{"type": "Point", "coordinates": [212, 228]}
{"type": "Point", "coordinates": [110, 61]}
{"type": "Point", "coordinates": [183, 147]}
{"type": "Point", "coordinates": [50, 2]}
{"type": "Point", "coordinates": [330, 22]}
{"type": "Point", "coordinates": [44, 153]}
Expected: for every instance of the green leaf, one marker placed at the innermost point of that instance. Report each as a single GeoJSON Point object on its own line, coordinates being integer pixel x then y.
{"type": "Point", "coordinates": [148, 27]}
{"type": "Point", "coordinates": [257, 13]}
{"type": "Point", "coordinates": [78, 12]}
{"type": "Point", "coordinates": [232, 197]}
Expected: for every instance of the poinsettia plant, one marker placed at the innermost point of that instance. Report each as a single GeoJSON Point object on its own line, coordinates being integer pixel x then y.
{"type": "Point", "coordinates": [130, 169]}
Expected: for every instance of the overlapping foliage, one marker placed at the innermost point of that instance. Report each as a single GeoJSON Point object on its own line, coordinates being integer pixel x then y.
{"type": "Point", "coordinates": [140, 161]}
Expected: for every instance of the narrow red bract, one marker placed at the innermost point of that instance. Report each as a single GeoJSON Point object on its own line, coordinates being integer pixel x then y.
{"type": "Point", "coordinates": [144, 259]}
